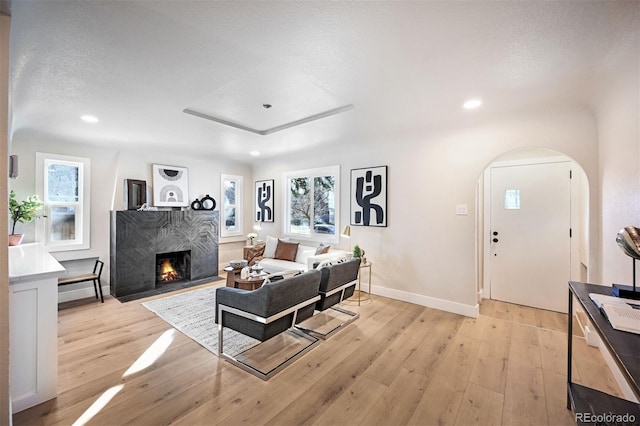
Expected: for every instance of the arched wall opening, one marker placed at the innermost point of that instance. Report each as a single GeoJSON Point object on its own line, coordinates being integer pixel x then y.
{"type": "Point", "coordinates": [579, 213]}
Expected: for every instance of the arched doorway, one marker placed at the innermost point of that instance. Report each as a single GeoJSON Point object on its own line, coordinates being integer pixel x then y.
{"type": "Point", "coordinates": [532, 228]}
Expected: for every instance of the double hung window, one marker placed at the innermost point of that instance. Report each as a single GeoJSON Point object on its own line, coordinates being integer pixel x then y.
{"type": "Point", "coordinates": [231, 209]}
{"type": "Point", "coordinates": [63, 184]}
{"type": "Point", "coordinates": [312, 204]}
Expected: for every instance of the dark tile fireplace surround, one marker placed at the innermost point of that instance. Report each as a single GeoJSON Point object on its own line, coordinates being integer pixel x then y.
{"type": "Point", "coordinates": [145, 244]}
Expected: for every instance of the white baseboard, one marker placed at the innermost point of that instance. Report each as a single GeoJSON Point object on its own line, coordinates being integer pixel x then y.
{"type": "Point", "coordinates": [80, 293]}
{"type": "Point", "coordinates": [429, 302]}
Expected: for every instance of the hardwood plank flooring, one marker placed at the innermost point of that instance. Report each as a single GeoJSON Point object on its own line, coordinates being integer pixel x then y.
{"type": "Point", "coordinates": [398, 364]}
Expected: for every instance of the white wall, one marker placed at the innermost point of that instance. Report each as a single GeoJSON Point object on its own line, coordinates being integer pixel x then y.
{"type": "Point", "coordinates": [616, 101]}
{"type": "Point", "coordinates": [109, 168]}
{"type": "Point", "coordinates": [619, 135]}
{"type": "Point", "coordinates": [427, 254]}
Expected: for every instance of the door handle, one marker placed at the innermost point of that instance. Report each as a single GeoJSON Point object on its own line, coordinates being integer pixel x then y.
{"type": "Point", "coordinates": [495, 240]}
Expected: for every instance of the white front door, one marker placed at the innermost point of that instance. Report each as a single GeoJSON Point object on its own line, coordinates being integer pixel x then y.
{"type": "Point", "coordinates": [530, 234]}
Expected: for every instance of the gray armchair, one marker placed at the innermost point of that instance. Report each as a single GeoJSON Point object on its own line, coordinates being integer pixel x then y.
{"type": "Point", "coordinates": [338, 282]}
{"type": "Point", "coordinates": [267, 312]}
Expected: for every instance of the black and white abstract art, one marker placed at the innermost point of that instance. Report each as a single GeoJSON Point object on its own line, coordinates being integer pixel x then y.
{"type": "Point", "coordinates": [264, 201]}
{"type": "Point", "coordinates": [369, 196]}
{"type": "Point", "coordinates": [170, 186]}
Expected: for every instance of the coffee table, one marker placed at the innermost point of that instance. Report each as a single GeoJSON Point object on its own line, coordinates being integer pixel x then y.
{"type": "Point", "coordinates": [251, 283]}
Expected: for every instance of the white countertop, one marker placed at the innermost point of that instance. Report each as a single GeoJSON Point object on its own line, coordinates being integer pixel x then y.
{"type": "Point", "coordinates": [32, 261]}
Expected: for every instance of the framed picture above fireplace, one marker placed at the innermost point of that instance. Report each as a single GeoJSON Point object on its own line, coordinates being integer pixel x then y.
{"type": "Point", "coordinates": [170, 186]}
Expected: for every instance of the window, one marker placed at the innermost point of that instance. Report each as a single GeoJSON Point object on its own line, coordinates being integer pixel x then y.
{"type": "Point", "coordinates": [512, 199]}
{"type": "Point", "coordinates": [311, 204]}
{"type": "Point", "coordinates": [63, 183]}
{"type": "Point", "coordinates": [231, 209]}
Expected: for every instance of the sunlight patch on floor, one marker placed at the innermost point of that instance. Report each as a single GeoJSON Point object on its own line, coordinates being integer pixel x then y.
{"type": "Point", "coordinates": [152, 353]}
{"type": "Point", "coordinates": [98, 405]}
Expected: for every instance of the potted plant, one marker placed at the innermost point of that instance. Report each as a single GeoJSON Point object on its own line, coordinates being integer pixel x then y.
{"type": "Point", "coordinates": [22, 212]}
{"type": "Point", "coordinates": [359, 253]}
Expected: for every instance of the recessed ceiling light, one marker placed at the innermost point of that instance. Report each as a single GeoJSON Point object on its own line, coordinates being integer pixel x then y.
{"type": "Point", "coordinates": [472, 104]}
{"type": "Point", "coordinates": [89, 118]}
{"type": "Point", "coordinates": [254, 153]}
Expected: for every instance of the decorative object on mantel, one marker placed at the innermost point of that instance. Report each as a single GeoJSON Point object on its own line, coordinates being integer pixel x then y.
{"type": "Point", "coordinates": [135, 194]}
{"type": "Point", "coordinates": [628, 240]}
{"type": "Point", "coordinates": [147, 208]}
{"type": "Point", "coordinates": [22, 212]}
{"type": "Point", "coordinates": [252, 236]}
{"type": "Point", "coordinates": [204, 203]}
{"type": "Point", "coordinates": [264, 201]}
{"type": "Point", "coordinates": [369, 196]}
{"type": "Point", "coordinates": [170, 186]}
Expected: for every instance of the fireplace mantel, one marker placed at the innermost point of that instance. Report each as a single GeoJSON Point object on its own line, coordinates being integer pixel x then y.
{"type": "Point", "coordinates": [137, 236]}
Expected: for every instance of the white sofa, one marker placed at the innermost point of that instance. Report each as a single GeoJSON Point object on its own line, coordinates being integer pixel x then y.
{"type": "Point", "coordinates": [306, 258]}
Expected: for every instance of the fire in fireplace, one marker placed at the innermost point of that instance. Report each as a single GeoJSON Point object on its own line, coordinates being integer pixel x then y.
{"type": "Point", "coordinates": [172, 267]}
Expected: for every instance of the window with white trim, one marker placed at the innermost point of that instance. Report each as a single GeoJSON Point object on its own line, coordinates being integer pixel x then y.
{"type": "Point", "coordinates": [63, 184]}
{"type": "Point", "coordinates": [312, 204]}
{"type": "Point", "coordinates": [231, 209]}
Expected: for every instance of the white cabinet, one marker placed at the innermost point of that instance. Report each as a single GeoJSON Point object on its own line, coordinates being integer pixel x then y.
{"type": "Point", "coordinates": [33, 325]}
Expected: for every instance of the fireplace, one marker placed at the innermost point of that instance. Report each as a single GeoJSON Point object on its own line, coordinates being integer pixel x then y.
{"type": "Point", "coordinates": [173, 267]}
{"type": "Point", "coordinates": [139, 238]}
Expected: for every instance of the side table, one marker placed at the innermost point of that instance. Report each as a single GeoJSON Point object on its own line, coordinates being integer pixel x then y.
{"type": "Point", "coordinates": [367, 296]}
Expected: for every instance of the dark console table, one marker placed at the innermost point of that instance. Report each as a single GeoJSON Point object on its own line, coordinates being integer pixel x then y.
{"type": "Point", "coordinates": [625, 350]}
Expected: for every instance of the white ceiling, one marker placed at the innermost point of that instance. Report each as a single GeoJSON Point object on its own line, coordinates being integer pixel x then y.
{"type": "Point", "coordinates": [137, 65]}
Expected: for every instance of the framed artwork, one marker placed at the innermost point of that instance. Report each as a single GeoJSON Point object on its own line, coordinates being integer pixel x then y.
{"type": "Point", "coordinates": [264, 201]}
{"type": "Point", "coordinates": [135, 194]}
{"type": "Point", "coordinates": [170, 186]}
{"type": "Point", "coordinates": [369, 196]}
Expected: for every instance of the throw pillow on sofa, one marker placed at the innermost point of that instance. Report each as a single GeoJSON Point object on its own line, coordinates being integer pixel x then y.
{"type": "Point", "coordinates": [322, 249]}
{"type": "Point", "coordinates": [270, 246]}
{"type": "Point", "coordinates": [286, 251]}
{"type": "Point", "coordinates": [254, 254]}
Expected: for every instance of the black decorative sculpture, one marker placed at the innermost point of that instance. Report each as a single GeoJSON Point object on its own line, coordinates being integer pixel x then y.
{"type": "Point", "coordinates": [205, 203]}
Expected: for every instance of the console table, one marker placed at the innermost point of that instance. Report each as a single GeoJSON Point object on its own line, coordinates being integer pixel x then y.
{"type": "Point", "coordinates": [625, 350]}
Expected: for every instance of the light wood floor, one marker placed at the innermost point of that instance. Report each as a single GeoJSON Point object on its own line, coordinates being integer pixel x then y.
{"type": "Point", "coordinates": [397, 364]}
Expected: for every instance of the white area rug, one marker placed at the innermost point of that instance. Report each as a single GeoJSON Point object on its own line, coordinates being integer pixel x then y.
{"type": "Point", "coordinates": [194, 313]}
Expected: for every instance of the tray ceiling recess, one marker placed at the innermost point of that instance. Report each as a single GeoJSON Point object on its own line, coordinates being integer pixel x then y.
{"type": "Point", "coordinates": [273, 129]}
{"type": "Point", "coordinates": [268, 99]}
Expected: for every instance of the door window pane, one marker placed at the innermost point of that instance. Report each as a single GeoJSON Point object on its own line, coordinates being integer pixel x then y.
{"type": "Point", "coordinates": [512, 199]}
{"type": "Point", "coordinates": [63, 223]}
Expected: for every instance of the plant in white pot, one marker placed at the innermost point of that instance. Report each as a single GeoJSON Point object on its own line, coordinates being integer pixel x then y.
{"type": "Point", "coordinates": [22, 212]}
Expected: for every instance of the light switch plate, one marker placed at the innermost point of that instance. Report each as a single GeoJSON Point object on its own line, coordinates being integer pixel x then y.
{"type": "Point", "coordinates": [461, 209]}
